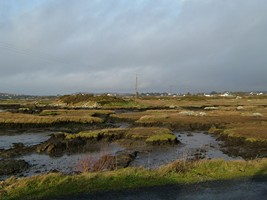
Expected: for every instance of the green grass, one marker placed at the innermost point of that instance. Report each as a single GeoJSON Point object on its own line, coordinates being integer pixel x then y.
{"type": "Point", "coordinates": [182, 172]}
{"type": "Point", "coordinates": [149, 134]}
{"type": "Point", "coordinates": [103, 133]}
{"type": "Point", "coordinates": [161, 138]}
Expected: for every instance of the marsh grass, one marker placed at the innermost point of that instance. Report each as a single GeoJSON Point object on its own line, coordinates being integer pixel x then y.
{"type": "Point", "coordinates": [89, 100]}
{"type": "Point", "coordinates": [148, 134]}
{"type": "Point", "coordinates": [53, 117]}
{"type": "Point", "coordinates": [248, 132]}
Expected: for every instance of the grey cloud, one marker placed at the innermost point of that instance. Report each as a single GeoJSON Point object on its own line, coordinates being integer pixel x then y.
{"type": "Point", "coordinates": [58, 47]}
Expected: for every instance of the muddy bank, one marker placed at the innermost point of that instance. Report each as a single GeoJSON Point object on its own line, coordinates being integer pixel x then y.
{"type": "Point", "coordinates": [72, 156]}
{"type": "Point", "coordinates": [240, 146]}
{"type": "Point", "coordinates": [139, 138]}
{"type": "Point", "coordinates": [18, 149]}
{"type": "Point", "coordinates": [51, 126]}
{"type": "Point", "coordinates": [192, 146]}
{"type": "Point", "coordinates": [180, 126]}
{"type": "Point", "coordinates": [72, 163]}
{"type": "Point", "coordinates": [11, 167]}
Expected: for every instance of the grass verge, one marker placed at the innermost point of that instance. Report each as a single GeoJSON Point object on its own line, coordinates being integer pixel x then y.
{"type": "Point", "coordinates": [182, 172]}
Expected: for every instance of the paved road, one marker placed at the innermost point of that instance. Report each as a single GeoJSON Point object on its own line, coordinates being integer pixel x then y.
{"type": "Point", "coordinates": [246, 189]}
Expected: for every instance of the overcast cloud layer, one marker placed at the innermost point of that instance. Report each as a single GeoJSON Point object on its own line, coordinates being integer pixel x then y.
{"type": "Point", "coordinates": [59, 47]}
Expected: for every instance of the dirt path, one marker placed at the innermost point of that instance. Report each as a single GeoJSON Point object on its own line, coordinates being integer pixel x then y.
{"type": "Point", "coordinates": [255, 188]}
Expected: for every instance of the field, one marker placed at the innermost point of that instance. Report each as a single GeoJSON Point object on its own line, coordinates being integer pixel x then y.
{"type": "Point", "coordinates": [131, 142]}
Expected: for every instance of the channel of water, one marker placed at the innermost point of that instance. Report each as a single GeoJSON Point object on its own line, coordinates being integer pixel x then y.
{"type": "Point", "coordinates": [192, 144]}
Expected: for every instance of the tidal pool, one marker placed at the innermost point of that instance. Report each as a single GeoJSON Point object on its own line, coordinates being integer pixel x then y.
{"type": "Point", "coordinates": [193, 145]}
{"type": "Point", "coordinates": [27, 138]}
{"type": "Point", "coordinates": [68, 163]}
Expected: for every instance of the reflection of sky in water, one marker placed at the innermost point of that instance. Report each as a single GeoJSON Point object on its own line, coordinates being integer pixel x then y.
{"type": "Point", "coordinates": [27, 139]}
{"type": "Point", "coordinates": [191, 143]}
{"type": "Point", "coordinates": [160, 155]}
{"type": "Point", "coordinates": [66, 163]}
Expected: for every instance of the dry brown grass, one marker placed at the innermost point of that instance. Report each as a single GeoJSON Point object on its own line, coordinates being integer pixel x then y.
{"type": "Point", "coordinates": [174, 117]}
{"type": "Point", "coordinates": [51, 117]}
{"type": "Point", "coordinates": [250, 131]}
{"type": "Point", "coordinates": [218, 101]}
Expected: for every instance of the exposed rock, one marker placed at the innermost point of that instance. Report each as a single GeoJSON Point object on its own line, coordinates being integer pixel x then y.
{"type": "Point", "coordinates": [239, 108]}
{"type": "Point", "coordinates": [257, 115]}
{"type": "Point", "coordinates": [8, 167]}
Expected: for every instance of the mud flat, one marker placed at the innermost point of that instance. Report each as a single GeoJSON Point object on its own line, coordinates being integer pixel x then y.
{"type": "Point", "coordinates": [193, 145]}
{"type": "Point", "coordinates": [69, 159]}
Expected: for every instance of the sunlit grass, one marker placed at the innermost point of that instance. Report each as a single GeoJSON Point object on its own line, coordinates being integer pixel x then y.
{"type": "Point", "coordinates": [149, 134]}
{"type": "Point", "coordinates": [182, 172]}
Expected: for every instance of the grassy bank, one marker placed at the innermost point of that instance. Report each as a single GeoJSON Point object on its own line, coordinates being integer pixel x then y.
{"type": "Point", "coordinates": [51, 117]}
{"type": "Point", "coordinates": [148, 134]}
{"type": "Point", "coordinates": [97, 101]}
{"type": "Point", "coordinates": [56, 184]}
{"type": "Point", "coordinates": [249, 132]}
{"type": "Point", "coordinates": [187, 119]}
{"type": "Point", "coordinates": [248, 140]}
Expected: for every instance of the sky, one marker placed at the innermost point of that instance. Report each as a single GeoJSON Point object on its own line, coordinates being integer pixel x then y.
{"type": "Point", "coordinates": [50, 47]}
